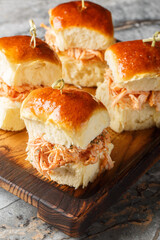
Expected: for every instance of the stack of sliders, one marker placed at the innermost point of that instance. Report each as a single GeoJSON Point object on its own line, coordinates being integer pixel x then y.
{"type": "Point", "coordinates": [22, 69]}
{"type": "Point", "coordinates": [80, 35]}
{"type": "Point", "coordinates": [131, 91]}
{"type": "Point", "coordinates": [68, 141]}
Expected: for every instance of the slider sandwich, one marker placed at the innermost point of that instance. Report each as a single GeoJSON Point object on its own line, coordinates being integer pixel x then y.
{"type": "Point", "coordinates": [131, 91]}
{"type": "Point", "coordinates": [80, 35]}
{"type": "Point", "coordinates": [22, 69]}
{"type": "Point", "coordinates": [68, 141]}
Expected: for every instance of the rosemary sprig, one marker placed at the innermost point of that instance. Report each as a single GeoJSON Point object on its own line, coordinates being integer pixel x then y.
{"type": "Point", "coordinates": [154, 39]}
{"type": "Point", "coordinates": [59, 84]}
{"type": "Point", "coordinates": [33, 33]}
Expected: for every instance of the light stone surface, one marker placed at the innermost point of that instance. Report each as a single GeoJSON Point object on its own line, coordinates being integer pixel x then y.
{"type": "Point", "coordinates": [136, 216]}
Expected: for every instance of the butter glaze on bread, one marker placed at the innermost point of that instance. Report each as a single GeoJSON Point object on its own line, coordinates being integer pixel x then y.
{"type": "Point", "coordinates": [134, 80]}
{"type": "Point", "coordinates": [70, 121]}
{"type": "Point", "coordinates": [74, 27]}
{"type": "Point", "coordinates": [25, 67]}
{"type": "Point", "coordinates": [134, 60]}
{"type": "Point", "coordinates": [71, 118]}
{"type": "Point", "coordinates": [70, 109]}
{"type": "Point", "coordinates": [71, 14]}
{"type": "Point", "coordinates": [17, 49]}
{"type": "Point", "coordinates": [21, 64]}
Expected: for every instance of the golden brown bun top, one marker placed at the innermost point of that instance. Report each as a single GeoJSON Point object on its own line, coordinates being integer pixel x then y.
{"type": "Point", "coordinates": [17, 49]}
{"type": "Point", "coordinates": [71, 14]}
{"type": "Point", "coordinates": [70, 109]}
{"type": "Point", "coordinates": [135, 58]}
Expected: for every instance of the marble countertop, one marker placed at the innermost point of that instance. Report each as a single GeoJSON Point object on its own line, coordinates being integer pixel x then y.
{"type": "Point", "coordinates": [136, 216]}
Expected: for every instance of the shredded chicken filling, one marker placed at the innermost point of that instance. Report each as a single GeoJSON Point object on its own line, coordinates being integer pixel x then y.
{"type": "Point", "coordinates": [132, 99]}
{"type": "Point", "coordinates": [46, 157]}
{"type": "Point", "coordinates": [18, 93]}
{"type": "Point", "coordinates": [85, 54]}
{"type": "Point", "coordinates": [75, 53]}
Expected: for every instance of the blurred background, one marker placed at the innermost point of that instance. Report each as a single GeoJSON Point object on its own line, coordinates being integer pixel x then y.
{"type": "Point", "coordinates": [133, 19]}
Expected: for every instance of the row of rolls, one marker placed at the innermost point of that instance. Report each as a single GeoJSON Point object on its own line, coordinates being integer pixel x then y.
{"type": "Point", "coordinates": [67, 126]}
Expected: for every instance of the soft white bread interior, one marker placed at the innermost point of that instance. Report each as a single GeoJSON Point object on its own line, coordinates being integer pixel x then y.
{"type": "Point", "coordinates": [10, 115]}
{"type": "Point", "coordinates": [83, 73]}
{"type": "Point", "coordinates": [56, 135]}
{"type": "Point", "coordinates": [76, 174]}
{"type": "Point", "coordinates": [36, 72]}
{"type": "Point", "coordinates": [149, 83]}
{"type": "Point", "coordinates": [81, 38]}
{"type": "Point", "coordinates": [126, 118]}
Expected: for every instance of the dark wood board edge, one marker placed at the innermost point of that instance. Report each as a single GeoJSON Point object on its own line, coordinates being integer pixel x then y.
{"type": "Point", "coordinates": [24, 189]}
{"type": "Point", "coordinates": [116, 192]}
{"type": "Point", "coordinates": [76, 226]}
{"type": "Point", "coordinates": [70, 214]}
{"type": "Point", "coordinates": [87, 210]}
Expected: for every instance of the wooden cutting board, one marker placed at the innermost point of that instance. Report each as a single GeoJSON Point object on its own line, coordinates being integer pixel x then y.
{"type": "Point", "coordinates": [69, 210]}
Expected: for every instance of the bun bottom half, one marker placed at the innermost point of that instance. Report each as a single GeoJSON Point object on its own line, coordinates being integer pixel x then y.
{"type": "Point", "coordinates": [10, 115]}
{"type": "Point", "coordinates": [75, 174]}
{"type": "Point", "coordinates": [128, 119]}
{"type": "Point", "coordinates": [83, 73]}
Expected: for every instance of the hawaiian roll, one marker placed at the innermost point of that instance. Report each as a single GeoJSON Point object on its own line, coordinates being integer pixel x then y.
{"type": "Point", "coordinates": [80, 36]}
{"type": "Point", "coordinates": [71, 129]}
{"type": "Point", "coordinates": [22, 69]}
{"type": "Point", "coordinates": [135, 65]}
{"type": "Point", "coordinates": [75, 27]}
{"type": "Point", "coordinates": [131, 91]}
{"type": "Point", "coordinates": [22, 64]}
